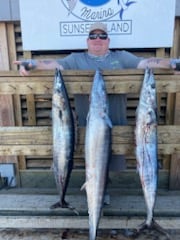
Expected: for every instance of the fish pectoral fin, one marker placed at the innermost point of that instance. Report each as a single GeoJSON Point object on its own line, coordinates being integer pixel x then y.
{"type": "Point", "coordinates": [87, 117]}
{"type": "Point", "coordinates": [83, 186]}
{"type": "Point", "coordinates": [108, 121]}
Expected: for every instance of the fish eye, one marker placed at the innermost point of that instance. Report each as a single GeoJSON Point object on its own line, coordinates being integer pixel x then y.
{"type": "Point", "coordinates": [153, 85]}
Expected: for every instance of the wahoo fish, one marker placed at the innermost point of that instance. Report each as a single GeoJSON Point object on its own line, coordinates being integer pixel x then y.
{"type": "Point", "coordinates": [146, 146]}
{"type": "Point", "coordinates": [63, 138]}
{"type": "Point", "coordinates": [97, 151]}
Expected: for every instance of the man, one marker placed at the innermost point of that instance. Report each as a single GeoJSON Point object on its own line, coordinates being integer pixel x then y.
{"type": "Point", "coordinates": [98, 56]}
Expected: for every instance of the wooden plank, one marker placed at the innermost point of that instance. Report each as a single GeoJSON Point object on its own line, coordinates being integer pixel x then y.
{"type": "Point", "coordinates": [160, 53]}
{"type": "Point", "coordinates": [89, 73]}
{"type": "Point", "coordinates": [177, 110]}
{"type": "Point", "coordinates": [174, 181]}
{"type": "Point", "coordinates": [10, 56]}
{"type": "Point", "coordinates": [169, 118]}
{"type": "Point", "coordinates": [4, 58]}
{"type": "Point", "coordinates": [46, 150]}
{"type": "Point", "coordinates": [167, 134]}
{"type": "Point", "coordinates": [6, 103]}
{"type": "Point", "coordinates": [175, 50]}
{"type": "Point", "coordinates": [26, 135]}
{"type": "Point", "coordinates": [82, 84]}
{"type": "Point", "coordinates": [44, 86]}
{"type": "Point", "coordinates": [42, 150]}
{"type": "Point", "coordinates": [14, 140]}
{"type": "Point", "coordinates": [6, 110]}
{"type": "Point", "coordinates": [11, 45]}
{"type": "Point", "coordinates": [126, 180]}
{"type": "Point", "coordinates": [30, 98]}
{"type": "Point", "coordinates": [21, 163]}
{"type": "Point", "coordinates": [46, 222]}
{"type": "Point", "coordinates": [31, 109]}
{"type": "Point", "coordinates": [45, 162]}
{"type": "Point", "coordinates": [17, 108]}
{"type": "Point", "coordinates": [170, 108]}
{"type": "Point", "coordinates": [18, 114]}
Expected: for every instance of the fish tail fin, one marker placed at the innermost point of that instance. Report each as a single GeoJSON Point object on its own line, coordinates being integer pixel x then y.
{"type": "Point", "coordinates": [154, 225]}
{"type": "Point", "coordinates": [160, 229]}
{"type": "Point", "coordinates": [83, 187]}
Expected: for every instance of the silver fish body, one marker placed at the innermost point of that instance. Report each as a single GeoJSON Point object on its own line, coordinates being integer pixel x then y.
{"type": "Point", "coordinates": [146, 142]}
{"type": "Point", "coordinates": [63, 137]}
{"type": "Point", "coordinates": [97, 149]}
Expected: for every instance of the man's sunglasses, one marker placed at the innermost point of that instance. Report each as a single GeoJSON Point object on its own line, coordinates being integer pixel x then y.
{"type": "Point", "coordinates": [102, 36]}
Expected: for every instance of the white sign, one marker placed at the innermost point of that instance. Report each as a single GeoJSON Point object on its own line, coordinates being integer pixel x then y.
{"type": "Point", "coordinates": [64, 24]}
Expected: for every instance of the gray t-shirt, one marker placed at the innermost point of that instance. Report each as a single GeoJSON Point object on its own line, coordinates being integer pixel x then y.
{"type": "Point", "coordinates": [112, 60]}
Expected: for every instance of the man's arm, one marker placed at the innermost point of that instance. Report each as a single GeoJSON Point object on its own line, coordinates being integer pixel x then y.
{"type": "Point", "coordinates": [160, 63]}
{"type": "Point", "coordinates": [30, 64]}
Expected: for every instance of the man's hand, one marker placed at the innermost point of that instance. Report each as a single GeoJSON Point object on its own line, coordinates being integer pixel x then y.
{"type": "Point", "coordinates": [175, 64]}
{"type": "Point", "coordinates": [25, 66]}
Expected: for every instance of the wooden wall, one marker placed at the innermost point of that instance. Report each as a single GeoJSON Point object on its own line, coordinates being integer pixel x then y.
{"type": "Point", "coordinates": [26, 104]}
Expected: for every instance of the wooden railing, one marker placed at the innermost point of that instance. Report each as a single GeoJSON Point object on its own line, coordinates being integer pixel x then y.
{"type": "Point", "coordinates": [37, 140]}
